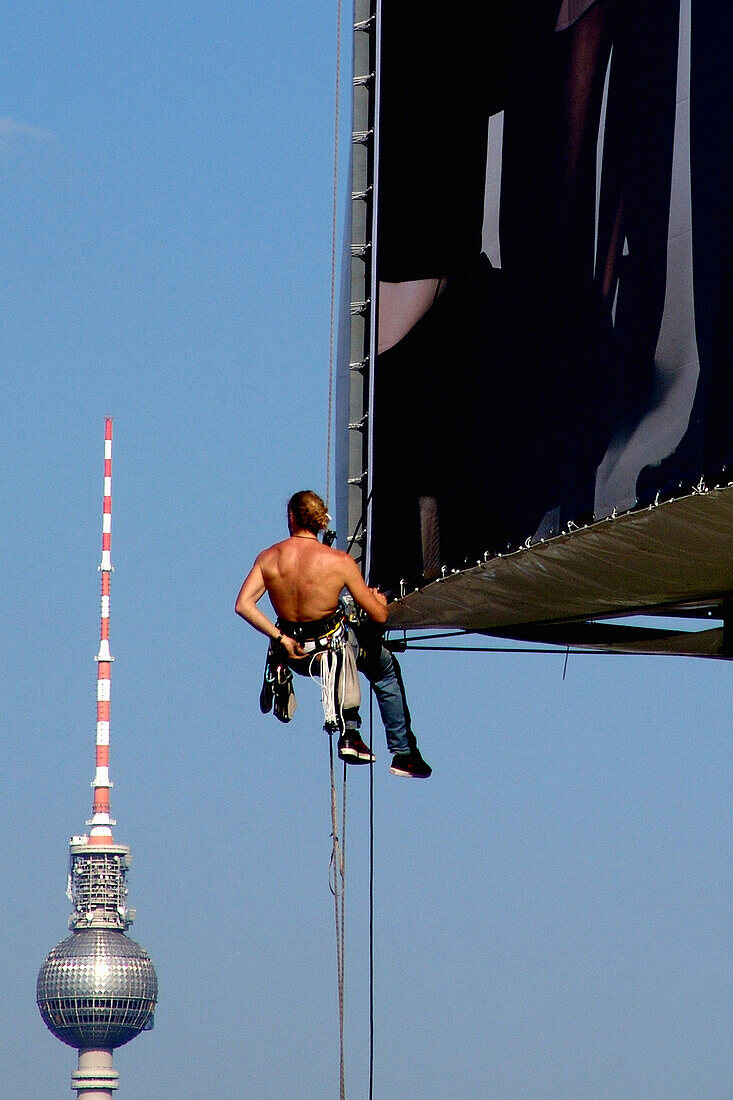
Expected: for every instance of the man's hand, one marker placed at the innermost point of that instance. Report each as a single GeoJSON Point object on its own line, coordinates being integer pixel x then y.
{"type": "Point", "coordinates": [379, 596]}
{"type": "Point", "coordinates": [291, 647]}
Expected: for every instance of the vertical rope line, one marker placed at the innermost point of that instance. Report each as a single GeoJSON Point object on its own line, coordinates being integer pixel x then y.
{"type": "Point", "coordinates": [334, 234]}
{"type": "Point", "coordinates": [342, 940]}
{"type": "Point", "coordinates": [338, 887]}
{"type": "Point", "coordinates": [371, 899]}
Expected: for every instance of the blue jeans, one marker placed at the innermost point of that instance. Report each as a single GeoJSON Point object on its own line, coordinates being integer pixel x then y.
{"type": "Point", "coordinates": [383, 672]}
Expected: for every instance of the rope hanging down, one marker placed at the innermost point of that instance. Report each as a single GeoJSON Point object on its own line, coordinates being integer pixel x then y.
{"type": "Point", "coordinates": [334, 243]}
{"type": "Point", "coordinates": [337, 883]}
{"type": "Point", "coordinates": [371, 899]}
{"type": "Point", "coordinates": [338, 851]}
{"type": "Point", "coordinates": [338, 889]}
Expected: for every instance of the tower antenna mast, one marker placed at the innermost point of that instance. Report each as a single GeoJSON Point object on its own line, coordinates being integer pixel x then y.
{"type": "Point", "coordinates": [101, 823]}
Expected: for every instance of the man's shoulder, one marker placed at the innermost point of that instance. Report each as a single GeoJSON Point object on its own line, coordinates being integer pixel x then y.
{"type": "Point", "coordinates": [338, 557]}
{"type": "Point", "coordinates": [341, 555]}
{"type": "Point", "coordinates": [269, 552]}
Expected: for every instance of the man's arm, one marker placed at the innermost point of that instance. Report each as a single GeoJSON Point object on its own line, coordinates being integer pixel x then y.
{"type": "Point", "coordinates": [370, 600]}
{"type": "Point", "coordinates": [251, 591]}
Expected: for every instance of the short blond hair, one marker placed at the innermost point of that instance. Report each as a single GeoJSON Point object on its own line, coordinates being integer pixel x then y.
{"type": "Point", "coordinates": [308, 511]}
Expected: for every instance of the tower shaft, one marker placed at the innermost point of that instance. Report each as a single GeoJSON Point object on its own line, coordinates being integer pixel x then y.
{"type": "Point", "coordinates": [95, 1077]}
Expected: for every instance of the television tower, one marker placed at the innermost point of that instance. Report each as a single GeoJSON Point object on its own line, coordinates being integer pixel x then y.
{"type": "Point", "coordinates": [97, 989]}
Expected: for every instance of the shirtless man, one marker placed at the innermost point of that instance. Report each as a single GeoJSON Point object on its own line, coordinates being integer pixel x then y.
{"type": "Point", "coordinates": [304, 579]}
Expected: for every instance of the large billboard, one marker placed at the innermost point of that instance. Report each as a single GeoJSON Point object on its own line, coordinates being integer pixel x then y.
{"type": "Point", "coordinates": [554, 243]}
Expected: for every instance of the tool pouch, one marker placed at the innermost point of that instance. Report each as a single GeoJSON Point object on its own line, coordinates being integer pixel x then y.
{"type": "Point", "coordinates": [277, 686]}
{"type": "Point", "coordinates": [267, 694]}
{"type": "Point", "coordinates": [285, 703]}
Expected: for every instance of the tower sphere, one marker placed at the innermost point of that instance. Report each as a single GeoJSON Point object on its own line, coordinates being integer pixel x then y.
{"type": "Point", "coordinates": [97, 988]}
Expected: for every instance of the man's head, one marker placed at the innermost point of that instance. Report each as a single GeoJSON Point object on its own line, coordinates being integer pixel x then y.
{"type": "Point", "coordinates": [307, 512]}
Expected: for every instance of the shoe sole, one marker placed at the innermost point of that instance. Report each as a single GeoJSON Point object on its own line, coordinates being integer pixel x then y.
{"type": "Point", "coordinates": [410, 775]}
{"type": "Point", "coordinates": [353, 757]}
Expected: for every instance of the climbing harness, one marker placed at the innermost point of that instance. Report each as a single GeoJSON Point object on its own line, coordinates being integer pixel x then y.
{"type": "Point", "coordinates": [317, 634]}
{"type": "Point", "coordinates": [330, 660]}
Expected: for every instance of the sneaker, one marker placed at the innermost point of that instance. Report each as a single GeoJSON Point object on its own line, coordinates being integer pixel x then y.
{"type": "Point", "coordinates": [352, 749]}
{"type": "Point", "coordinates": [410, 764]}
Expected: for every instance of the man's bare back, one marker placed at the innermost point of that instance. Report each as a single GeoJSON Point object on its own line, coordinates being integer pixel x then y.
{"type": "Point", "coordinates": [304, 580]}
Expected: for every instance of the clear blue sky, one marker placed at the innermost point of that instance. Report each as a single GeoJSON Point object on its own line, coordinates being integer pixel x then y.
{"type": "Point", "coordinates": [553, 907]}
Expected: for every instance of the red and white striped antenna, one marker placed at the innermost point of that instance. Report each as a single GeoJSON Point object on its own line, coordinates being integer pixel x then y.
{"type": "Point", "coordinates": [101, 823]}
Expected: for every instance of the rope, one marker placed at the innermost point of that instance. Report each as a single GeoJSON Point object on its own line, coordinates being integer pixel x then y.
{"type": "Point", "coordinates": [337, 884]}
{"type": "Point", "coordinates": [338, 889]}
{"type": "Point", "coordinates": [334, 243]}
{"type": "Point", "coordinates": [338, 862]}
{"type": "Point", "coordinates": [595, 652]}
{"type": "Point", "coordinates": [371, 899]}
{"type": "Point", "coordinates": [330, 665]}
{"type": "Point", "coordinates": [517, 649]}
